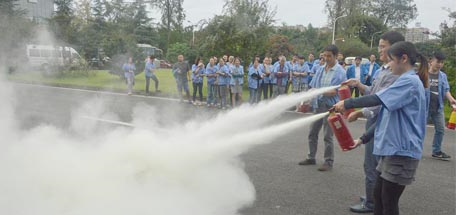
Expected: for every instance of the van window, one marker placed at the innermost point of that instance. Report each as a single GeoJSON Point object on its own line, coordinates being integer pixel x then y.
{"type": "Point", "coordinates": [34, 52]}
{"type": "Point", "coordinates": [45, 53]}
{"type": "Point", "coordinates": [56, 53]}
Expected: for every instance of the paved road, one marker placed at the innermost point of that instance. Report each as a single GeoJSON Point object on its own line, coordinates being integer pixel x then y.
{"type": "Point", "coordinates": [282, 186]}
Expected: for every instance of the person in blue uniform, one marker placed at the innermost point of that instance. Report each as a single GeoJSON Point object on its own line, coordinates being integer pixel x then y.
{"type": "Point", "coordinates": [439, 91]}
{"type": "Point", "coordinates": [254, 77]}
{"type": "Point", "coordinates": [332, 74]}
{"type": "Point", "coordinates": [129, 73]}
{"type": "Point", "coordinates": [211, 78]}
{"type": "Point", "coordinates": [198, 72]}
{"type": "Point", "coordinates": [400, 128]}
{"type": "Point", "coordinates": [150, 69]}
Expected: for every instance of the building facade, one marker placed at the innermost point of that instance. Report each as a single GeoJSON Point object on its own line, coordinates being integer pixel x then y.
{"type": "Point", "coordinates": [37, 10]}
{"type": "Point", "coordinates": [417, 34]}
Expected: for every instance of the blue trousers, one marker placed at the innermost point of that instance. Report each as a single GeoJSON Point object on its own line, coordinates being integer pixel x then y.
{"type": "Point", "coordinates": [438, 120]}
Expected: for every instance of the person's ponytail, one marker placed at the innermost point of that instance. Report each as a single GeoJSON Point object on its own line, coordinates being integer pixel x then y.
{"type": "Point", "coordinates": [407, 48]}
{"type": "Point", "coordinates": [423, 70]}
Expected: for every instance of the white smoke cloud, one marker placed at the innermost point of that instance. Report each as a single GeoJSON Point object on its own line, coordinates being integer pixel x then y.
{"type": "Point", "coordinates": [192, 168]}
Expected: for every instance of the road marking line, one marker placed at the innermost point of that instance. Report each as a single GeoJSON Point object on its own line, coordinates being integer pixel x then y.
{"type": "Point", "coordinates": [108, 121]}
{"type": "Point", "coordinates": [99, 92]}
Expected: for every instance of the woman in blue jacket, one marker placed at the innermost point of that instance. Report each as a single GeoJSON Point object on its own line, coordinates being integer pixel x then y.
{"type": "Point", "coordinates": [129, 72]}
{"type": "Point", "coordinates": [401, 126]}
{"type": "Point", "coordinates": [254, 78]}
{"type": "Point", "coordinates": [223, 74]}
{"type": "Point", "coordinates": [280, 77]}
{"type": "Point", "coordinates": [211, 75]}
{"type": "Point", "coordinates": [266, 83]}
{"type": "Point", "coordinates": [300, 72]}
{"type": "Point", "coordinates": [236, 81]}
{"type": "Point", "coordinates": [198, 73]}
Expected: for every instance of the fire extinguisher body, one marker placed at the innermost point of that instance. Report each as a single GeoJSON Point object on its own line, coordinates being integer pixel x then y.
{"type": "Point", "coordinates": [345, 93]}
{"type": "Point", "coordinates": [452, 121]}
{"type": "Point", "coordinates": [340, 130]}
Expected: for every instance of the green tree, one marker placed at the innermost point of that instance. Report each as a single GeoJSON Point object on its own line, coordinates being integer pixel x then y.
{"type": "Point", "coordinates": [173, 16]}
{"type": "Point", "coordinates": [62, 22]}
{"type": "Point", "coordinates": [243, 30]}
{"type": "Point", "coordinates": [16, 31]}
{"type": "Point", "coordinates": [448, 45]}
{"type": "Point", "coordinates": [363, 27]}
{"type": "Point", "coordinates": [394, 13]}
{"type": "Point", "coordinates": [8, 8]}
{"type": "Point", "coordinates": [353, 47]}
{"type": "Point", "coordinates": [311, 40]}
{"type": "Point", "coordinates": [279, 45]}
{"type": "Point", "coordinates": [337, 8]}
{"type": "Point", "coordinates": [176, 49]}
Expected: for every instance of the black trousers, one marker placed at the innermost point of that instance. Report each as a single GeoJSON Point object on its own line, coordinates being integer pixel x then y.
{"type": "Point", "coordinates": [386, 197]}
{"type": "Point", "coordinates": [267, 91]}
{"type": "Point", "coordinates": [198, 87]}
{"type": "Point", "coordinates": [148, 83]}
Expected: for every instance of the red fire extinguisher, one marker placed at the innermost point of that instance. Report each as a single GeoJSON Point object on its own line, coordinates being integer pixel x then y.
{"type": "Point", "coordinates": [345, 93]}
{"type": "Point", "coordinates": [452, 121]}
{"type": "Point", "coordinates": [340, 130]}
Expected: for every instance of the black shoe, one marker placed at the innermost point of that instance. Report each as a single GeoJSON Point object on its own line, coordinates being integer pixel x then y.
{"type": "Point", "coordinates": [441, 156]}
{"type": "Point", "coordinates": [361, 208]}
{"type": "Point", "coordinates": [307, 162]}
{"type": "Point", "coordinates": [325, 167]}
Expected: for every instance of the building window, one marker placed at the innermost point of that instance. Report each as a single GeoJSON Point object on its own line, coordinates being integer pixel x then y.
{"type": "Point", "coordinates": [32, 1]}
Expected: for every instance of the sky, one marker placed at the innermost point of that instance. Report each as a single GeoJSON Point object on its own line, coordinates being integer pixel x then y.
{"type": "Point", "coordinates": [303, 12]}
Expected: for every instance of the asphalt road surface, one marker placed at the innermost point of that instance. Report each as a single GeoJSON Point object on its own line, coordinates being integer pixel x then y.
{"type": "Point", "coordinates": [282, 186]}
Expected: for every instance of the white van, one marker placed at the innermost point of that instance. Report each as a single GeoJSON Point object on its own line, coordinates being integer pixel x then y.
{"type": "Point", "coordinates": [44, 56]}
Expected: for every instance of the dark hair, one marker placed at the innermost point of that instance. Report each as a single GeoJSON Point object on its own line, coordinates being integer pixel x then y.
{"type": "Point", "coordinates": [197, 60]}
{"type": "Point", "coordinates": [301, 57]}
{"type": "Point", "coordinates": [407, 48]}
{"type": "Point", "coordinates": [358, 58]}
{"type": "Point", "coordinates": [392, 37]}
{"type": "Point", "coordinates": [439, 56]}
{"type": "Point", "coordinates": [151, 57]}
{"type": "Point", "coordinates": [333, 49]}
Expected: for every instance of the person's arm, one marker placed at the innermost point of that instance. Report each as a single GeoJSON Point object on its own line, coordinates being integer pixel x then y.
{"type": "Point", "coordinates": [369, 134]}
{"type": "Point", "coordinates": [353, 82]}
{"type": "Point", "coordinates": [450, 98]}
{"type": "Point", "coordinates": [366, 137]}
{"type": "Point", "coordinates": [306, 70]}
{"type": "Point", "coordinates": [364, 101]}
{"type": "Point", "coordinates": [446, 89]}
{"type": "Point", "coordinates": [330, 93]}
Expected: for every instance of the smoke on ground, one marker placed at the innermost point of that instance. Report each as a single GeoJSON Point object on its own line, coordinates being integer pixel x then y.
{"type": "Point", "coordinates": [192, 168]}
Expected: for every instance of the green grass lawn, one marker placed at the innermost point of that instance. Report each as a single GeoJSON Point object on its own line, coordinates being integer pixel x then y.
{"type": "Point", "coordinates": [102, 79]}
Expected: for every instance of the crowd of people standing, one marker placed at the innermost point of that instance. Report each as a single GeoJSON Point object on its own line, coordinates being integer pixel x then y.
{"type": "Point", "coordinates": [396, 98]}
